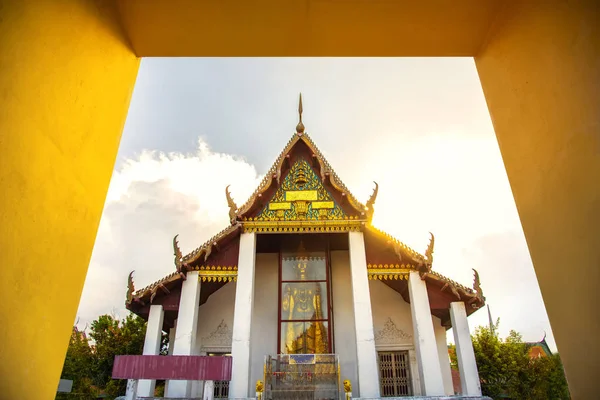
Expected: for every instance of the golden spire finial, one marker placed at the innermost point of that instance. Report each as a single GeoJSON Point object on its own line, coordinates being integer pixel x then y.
{"type": "Point", "coordinates": [300, 126]}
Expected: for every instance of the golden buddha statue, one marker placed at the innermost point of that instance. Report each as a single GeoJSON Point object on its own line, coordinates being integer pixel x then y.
{"type": "Point", "coordinates": [303, 301]}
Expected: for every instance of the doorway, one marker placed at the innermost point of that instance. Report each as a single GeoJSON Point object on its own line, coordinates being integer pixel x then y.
{"type": "Point", "coordinates": [394, 374]}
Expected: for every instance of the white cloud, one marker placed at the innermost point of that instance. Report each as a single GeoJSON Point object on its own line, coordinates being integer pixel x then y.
{"type": "Point", "coordinates": [152, 198]}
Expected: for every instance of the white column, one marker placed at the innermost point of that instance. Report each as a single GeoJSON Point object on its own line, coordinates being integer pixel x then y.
{"type": "Point", "coordinates": [131, 389]}
{"type": "Point", "coordinates": [209, 390]}
{"type": "Point", "coordinates": [185, 333]}
{"type": "Point", "coordinates": [430, 372]}
{"type": "Point", "coordinates": [170, 350]}
{"type": "Point", "coordinates": [366, 355]}
{"type": "Point", "coordinates": [467, 367]}
{"type": "Point", "coordinates": [442, 346]}
{"type": "Point", "coordinates": [242, 318]}
{"type": "Point", "coordinates": [151, 346]}
{"type": "Point", "coordinates": [172, 339]}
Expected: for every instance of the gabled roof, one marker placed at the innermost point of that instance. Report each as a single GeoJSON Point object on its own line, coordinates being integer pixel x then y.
{"type": "Point", "coordinates": [274, 177]}
{"type": "Point", "coordinates": [217, 257]}
{"type": "Point", "coordinates": [539, 349]}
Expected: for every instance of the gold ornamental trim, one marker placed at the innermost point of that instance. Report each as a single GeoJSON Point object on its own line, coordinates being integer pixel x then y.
{"type": "Point", "coordinates": [217, 273]}
{"type": "Point", "coordinates": [307, 195]}
{"type": "Point", "coordinates": [310, 226]}
{"type": "Point", "coordinates": [384, 272]}
{"type": "Point", "coordinates": [317, 205]}
{"type": "Point", "coordinates": [280, 206]}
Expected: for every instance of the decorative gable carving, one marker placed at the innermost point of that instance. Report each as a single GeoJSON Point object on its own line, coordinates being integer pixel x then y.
{"type": "Point", "coordinates": [391, 334]}
{"type": "Point", "coordinates": [302, 196]}
{"type": "Point", "coordinates": [218, 339]}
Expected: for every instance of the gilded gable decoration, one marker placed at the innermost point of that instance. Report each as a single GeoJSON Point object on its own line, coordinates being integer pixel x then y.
{"type": "Point", "coordinates": [302, 196]}
{"type": "Point", "coordinates": [302, 203]}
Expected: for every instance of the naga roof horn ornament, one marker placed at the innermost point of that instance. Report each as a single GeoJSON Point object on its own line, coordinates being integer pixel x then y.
{"type": "Point", "coordinates": [371, 202]}
{"type": "Point", "coordinates": [232, 206]}
{"type": "Point", "coordinates": [429, 251]}
{"type": "Point", "coordinates": [425, 266]}
{"type": "Point", "coordinates": [179, 264]}
{"type": "Point", "coordinates": [477, 286]}
{"type": "Point", "coordinates": [130, 288]}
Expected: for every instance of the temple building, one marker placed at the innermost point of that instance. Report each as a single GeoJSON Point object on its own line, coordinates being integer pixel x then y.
{"type": "Point", "coordinates": [309, 298]}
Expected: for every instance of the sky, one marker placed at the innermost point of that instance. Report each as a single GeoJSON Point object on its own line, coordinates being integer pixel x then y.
{"type": "Point", "coordinates": [419, 127]}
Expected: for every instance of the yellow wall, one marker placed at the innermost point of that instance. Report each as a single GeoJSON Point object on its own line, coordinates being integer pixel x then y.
{"type": "Point", "coordinates": [540, 74]}
{"type": "Point", "coordinates": [306, 27]}
{"type": "Point", "coordinates": [66, 77]}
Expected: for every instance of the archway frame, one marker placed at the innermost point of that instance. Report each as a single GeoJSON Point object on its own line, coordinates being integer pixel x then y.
{"type": "Point", "coordinates": [67, 71]}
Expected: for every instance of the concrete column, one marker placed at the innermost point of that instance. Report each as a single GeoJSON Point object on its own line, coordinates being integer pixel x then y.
{"type": "Point", "coordinates": [170, 350]}
{"type": "Point", "coordinates": [366, 355]}
{"type": "Point", "coordinates": [209, 390]}
{"type": "Point", "coordinates": [467, 367]}
{"type": "Point", "coordinates": [152, 346]}
{"type": "Point", "coordinates": [242, 318]}
{"type": "Point", "coordinates": [131, 389]}
{"type": "Point", "coordinates": [430, 372]}
{"type": "Point", "coordinates": [185, 334]}
{"type": "Point", "coordinates": [442, 347]}
{"type": "Point", "coordinates": [172, 332]}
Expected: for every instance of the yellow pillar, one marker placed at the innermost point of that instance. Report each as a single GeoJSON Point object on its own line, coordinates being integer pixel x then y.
{"type": "Point", "coordinates": [66, 78]}
{"type": "Point", "coordinates": [540, 72]}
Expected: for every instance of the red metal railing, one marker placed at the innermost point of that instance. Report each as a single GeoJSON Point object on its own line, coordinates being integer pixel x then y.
{"type": "Point", "coordinates": [193, 368]}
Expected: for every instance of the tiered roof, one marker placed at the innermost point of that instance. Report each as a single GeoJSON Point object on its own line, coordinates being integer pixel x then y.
{"type": "Point", "coordinates": [335, 210]}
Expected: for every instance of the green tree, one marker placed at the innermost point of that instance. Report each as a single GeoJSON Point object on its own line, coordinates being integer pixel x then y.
{"type": "Point", "coordinates": [113, 337]}
{"type": "Point", "coordinates": [77, 367]}
{"type": "Point", "coordinates": [89, 361]}
{"type": "Point", "coordinates": [507, 371]}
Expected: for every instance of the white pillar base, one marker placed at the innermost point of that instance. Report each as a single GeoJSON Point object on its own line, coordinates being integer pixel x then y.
{"type": "Point", "coordinates": [430, 372]}
{"type": "Point", "coordinates": [209, 390]}
{"type": "Point", "coordinates": [239, 385]}
{"type": "Point", "coordinates": [131, 391]}
{"type": "Point", "coordinates": [366, 355]}
{"type": "Point", "coordinates": [467, 366]}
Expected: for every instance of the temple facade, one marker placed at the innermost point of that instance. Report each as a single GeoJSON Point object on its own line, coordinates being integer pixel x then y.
{"type": "Point", "coordinates": [309, 298]}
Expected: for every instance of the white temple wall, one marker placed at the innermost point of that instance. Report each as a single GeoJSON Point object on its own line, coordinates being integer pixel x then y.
{"type": "Point", "coordinates": [263, 335]}
{"type": "Point", "coordinates": [343, 317]}
{"type": "Point", "coordinates": [442, 344]}
{"type": "Point", "coordinates": [215, 321]}
{"type": "Point", "coordinates": [392, 325]}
